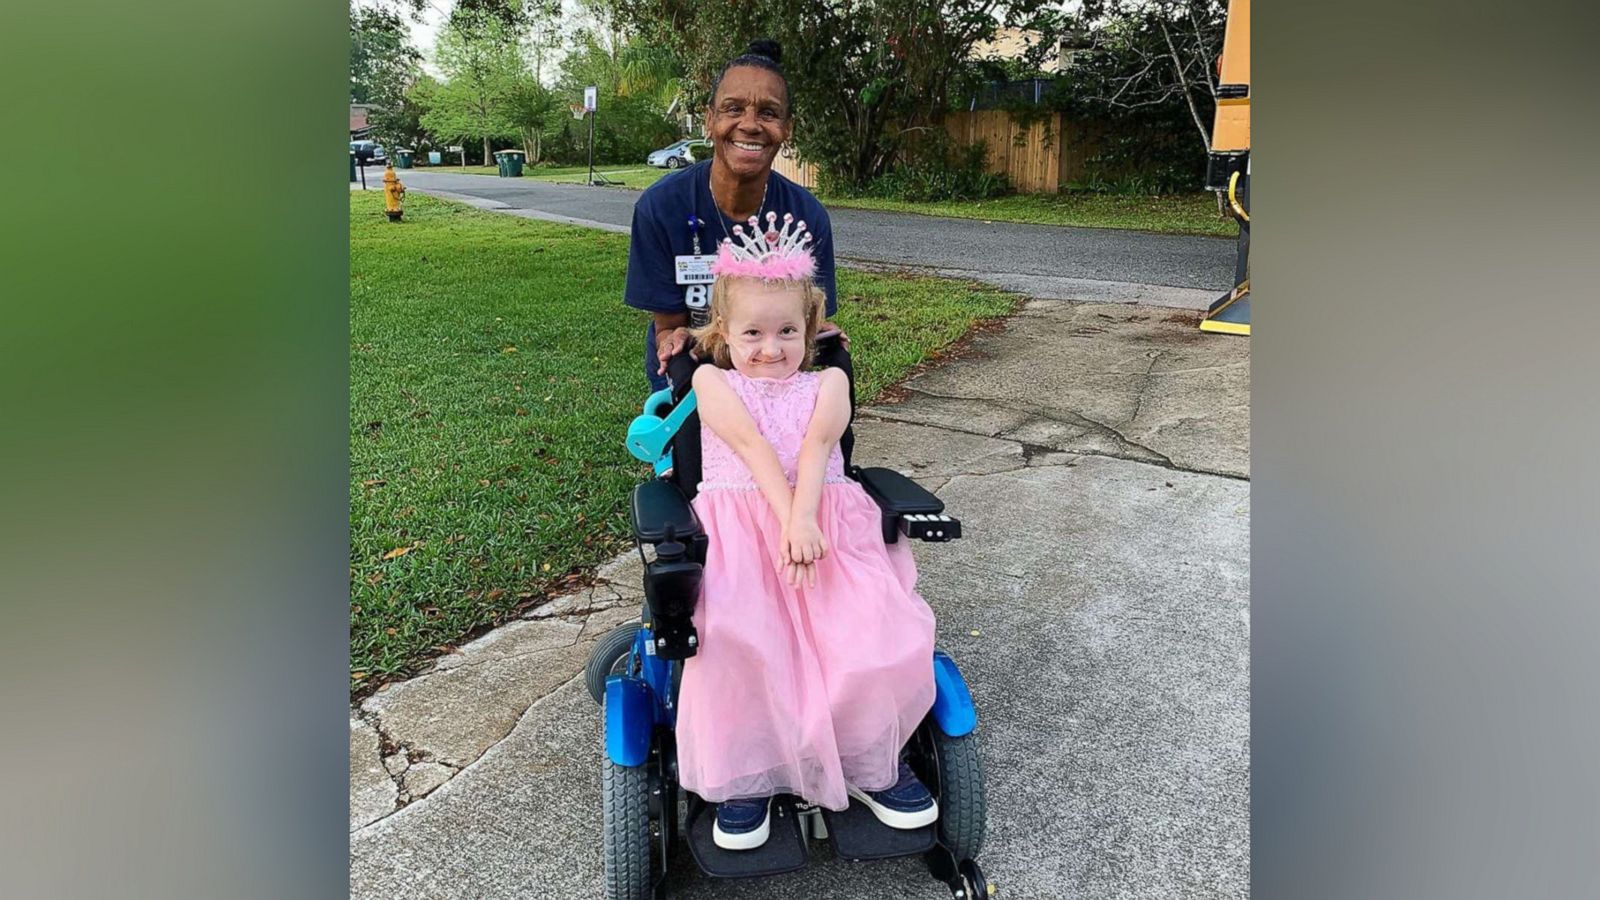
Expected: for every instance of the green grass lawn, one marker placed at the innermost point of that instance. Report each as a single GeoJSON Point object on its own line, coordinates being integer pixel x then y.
{"type": "Point", "coordinates": [493, 371]}
{"type": "Point", "coordinates": [1175, 214]}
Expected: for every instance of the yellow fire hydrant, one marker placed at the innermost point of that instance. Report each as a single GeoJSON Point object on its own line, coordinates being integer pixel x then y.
{"type": "Point", "coordinates": [393, 190]}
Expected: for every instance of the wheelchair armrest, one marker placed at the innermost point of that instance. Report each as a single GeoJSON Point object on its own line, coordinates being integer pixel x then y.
{"type": "Point", "coordinates": [908, 507]}
{"type": "Point", "coordinates": [661, 511]}
{"type": "Point", "coordinates": [663, 517]}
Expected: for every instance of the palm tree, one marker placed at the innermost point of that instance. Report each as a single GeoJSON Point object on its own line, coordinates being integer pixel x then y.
{"type": "Point", "coordinates": [655, 72]}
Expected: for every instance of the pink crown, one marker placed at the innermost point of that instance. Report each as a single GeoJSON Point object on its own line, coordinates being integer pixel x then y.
{"type": "Point", "coordinates": [773, 254]}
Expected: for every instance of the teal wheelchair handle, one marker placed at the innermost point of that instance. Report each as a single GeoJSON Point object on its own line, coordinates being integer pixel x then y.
{"type": "Point", "coordinates": [649, 435]}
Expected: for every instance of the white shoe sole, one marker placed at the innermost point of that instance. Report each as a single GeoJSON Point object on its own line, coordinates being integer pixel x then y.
{"type": "Point", "coordinates": [894, 818]}
{"type": "Point", "coordinates": [747, 840]}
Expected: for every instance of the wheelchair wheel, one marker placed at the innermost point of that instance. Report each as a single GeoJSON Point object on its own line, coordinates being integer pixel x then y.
{"type": "Point", "coordinates": [609, 656]}
{"type": "Point", "coordinates": [626, 794]}
{"type": "Point", "coordinates": [963, 809]}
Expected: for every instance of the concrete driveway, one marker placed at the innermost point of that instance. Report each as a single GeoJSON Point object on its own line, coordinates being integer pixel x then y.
{"type": "Point", "coordinates": [1098, 607]}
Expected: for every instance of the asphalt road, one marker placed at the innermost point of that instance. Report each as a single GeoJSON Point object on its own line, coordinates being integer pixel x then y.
{"type": "Point", "coordinates": [1048, 261]}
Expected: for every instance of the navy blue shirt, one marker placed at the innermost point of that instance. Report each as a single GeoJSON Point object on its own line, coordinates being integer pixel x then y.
{"type": "Point", "coordinates": [661, 232]}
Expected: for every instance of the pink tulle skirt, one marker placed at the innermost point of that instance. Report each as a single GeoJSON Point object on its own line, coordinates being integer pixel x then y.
{"type": "Point", "coordinates": [802, 690]}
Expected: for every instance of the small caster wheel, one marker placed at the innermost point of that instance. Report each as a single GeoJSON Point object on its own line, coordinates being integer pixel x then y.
{"type": "Point", "coordinates": [978, 887]}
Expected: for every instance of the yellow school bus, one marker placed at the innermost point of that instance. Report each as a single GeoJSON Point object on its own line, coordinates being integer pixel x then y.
{"type": "Point", "coordinates": [1229, 165]}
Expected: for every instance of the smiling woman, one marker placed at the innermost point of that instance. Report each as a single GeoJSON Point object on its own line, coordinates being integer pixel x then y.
{"type": "Point", "coordinates": [678, 221]}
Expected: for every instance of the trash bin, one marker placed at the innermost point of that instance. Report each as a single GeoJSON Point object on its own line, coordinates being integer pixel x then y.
{"type": "Point", "coordinates": [402, 159]}
{"type": "Point", "coordinates": [435, 158]}
{"type": "Point", "coordinates": [513, 162]}
{"type": "Point", "coordinates": [352, 167]}
{"type": "Point", "coordinates": [500, 163]}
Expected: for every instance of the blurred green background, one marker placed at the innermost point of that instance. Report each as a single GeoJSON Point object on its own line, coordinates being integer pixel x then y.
{"type": "Point", "coordinates": [172, 435]}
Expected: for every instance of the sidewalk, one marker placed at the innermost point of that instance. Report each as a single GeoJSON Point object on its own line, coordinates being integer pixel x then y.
{"type": "Point", "coordinates": [1098, 606]}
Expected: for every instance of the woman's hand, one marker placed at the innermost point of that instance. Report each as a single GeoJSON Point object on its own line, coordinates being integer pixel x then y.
{"type": "Point", "coordinates": [829, 329]}
{"type": "Point", "coordinates": [668, 345]}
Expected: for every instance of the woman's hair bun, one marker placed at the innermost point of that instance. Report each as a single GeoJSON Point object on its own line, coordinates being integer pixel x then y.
{"type": "Point", "coordinates": [770, 49]}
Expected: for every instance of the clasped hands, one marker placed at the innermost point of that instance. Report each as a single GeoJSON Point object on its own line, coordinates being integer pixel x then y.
{"type": "Point", "coordinates": [801, 547]}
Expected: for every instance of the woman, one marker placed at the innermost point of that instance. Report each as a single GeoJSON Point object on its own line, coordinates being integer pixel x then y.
{"type": "Point", "coordinates": [679, 220]}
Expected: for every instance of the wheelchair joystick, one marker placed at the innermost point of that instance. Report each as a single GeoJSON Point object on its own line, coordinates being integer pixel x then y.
{"type": "Point", "coordinates": [671, 587]}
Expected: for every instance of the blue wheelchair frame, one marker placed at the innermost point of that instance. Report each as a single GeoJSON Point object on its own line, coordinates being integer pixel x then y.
{"type": "Point", "coordinates": [638, 704]}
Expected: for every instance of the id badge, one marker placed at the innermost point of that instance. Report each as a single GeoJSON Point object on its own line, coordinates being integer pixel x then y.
{"type": "Point", "coordinates": [695, 269]}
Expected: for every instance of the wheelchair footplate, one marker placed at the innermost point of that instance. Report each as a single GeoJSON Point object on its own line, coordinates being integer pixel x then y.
{"type": "Point", "coordinates": [857, 834]}
{"type": "Point", "coordinates": [784, 851]}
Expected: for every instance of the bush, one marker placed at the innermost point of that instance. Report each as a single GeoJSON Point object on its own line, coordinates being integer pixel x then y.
{"type": "Point", "coordinates": [1142, 162]}
{"type": "Point", "coordinates": [938, 169]}
{"type": "Point", "coordinates": [628, 129]}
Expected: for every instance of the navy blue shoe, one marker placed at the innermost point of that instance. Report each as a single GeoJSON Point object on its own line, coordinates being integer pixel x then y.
{"type": "Point", "coordinates": [907, 804]}
{"type": "Point", "coordinates": [742, 824]}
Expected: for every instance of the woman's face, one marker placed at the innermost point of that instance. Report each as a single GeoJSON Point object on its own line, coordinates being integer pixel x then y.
{"type": "Point", "coordinates": [749, 120]}
{"type": "Point", "coordinates": [766, 328]}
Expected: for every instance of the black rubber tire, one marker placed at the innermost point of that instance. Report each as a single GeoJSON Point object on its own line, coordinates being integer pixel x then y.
{"type": "Point", "coordinates": [963, 809]}
{"type": "Point", "coordinates": [608, 651]}
{"type": "Point", "coordinates": [626, 796]}
{"type": "Point", "coordinates": [675, 162]}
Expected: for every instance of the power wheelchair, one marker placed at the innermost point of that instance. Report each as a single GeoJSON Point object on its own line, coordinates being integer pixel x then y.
{"type": "Point", "coordinates": [634, 672]}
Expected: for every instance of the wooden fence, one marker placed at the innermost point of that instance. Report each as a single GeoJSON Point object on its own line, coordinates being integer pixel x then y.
{"type": "Point", "coordinates": [801, 173]}
{"type": "Point", "coordinates": [1038, 157]}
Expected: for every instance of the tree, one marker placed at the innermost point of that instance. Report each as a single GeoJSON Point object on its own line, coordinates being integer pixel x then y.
{"type": "Point", "coordinates": [866, 75]}
{"type": "Point", "coordinates": [529, 107]}
{"type": "Point", "coordinates": [630, 123]}
{"type": "Point", "coordinates": [479, 51]}
{"type": "Point", "coordinates": [383, 66]}
{"type": "Point", "coordinates": [1157, 52]}
{"type": "Point", "coordinates": [653, 72]}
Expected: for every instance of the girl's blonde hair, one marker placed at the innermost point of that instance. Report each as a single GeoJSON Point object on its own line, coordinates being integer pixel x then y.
{"type": "Point", "coordinates": [711, 339]}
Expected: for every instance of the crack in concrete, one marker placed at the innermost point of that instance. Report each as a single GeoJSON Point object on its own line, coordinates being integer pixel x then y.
{"type": "Point", "coordinates": [421, 801]}
{"type": "Point", "coordinates": [387, 747]}
{"type": "Point", "coordinates": [1077, 419]}
{"type": "Point", "coordinates": [1074, 418]}
{"type": "Point", "coordinates": [503, 657]}
{"type": "Point", "coordinates": [1144, 388]}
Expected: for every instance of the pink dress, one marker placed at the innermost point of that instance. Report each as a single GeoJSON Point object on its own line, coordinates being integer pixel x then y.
{"type": "Point", "coordinates": [798, 690]}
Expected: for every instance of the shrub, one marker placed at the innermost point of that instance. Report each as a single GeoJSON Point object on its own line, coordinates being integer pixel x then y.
{"type": "Point", "coordinates": [938, 169]}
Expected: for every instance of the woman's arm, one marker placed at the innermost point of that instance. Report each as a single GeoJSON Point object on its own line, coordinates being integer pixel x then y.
{"type": "Point", "coordinates": [723, 412]}
{"type": "Point", "coordinates": [828, 421]}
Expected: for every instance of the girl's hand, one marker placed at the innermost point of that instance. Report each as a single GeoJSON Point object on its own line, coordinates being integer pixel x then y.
{"type": "Point", "coordinates": [802, 546]}
{"type": "Point", "coordinates": [803, 543]}
{"type": "Point", "coordinates": [797, 574]}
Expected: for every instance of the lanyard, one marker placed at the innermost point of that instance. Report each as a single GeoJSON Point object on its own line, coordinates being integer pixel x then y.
{"type": "Point", "coordinates": [695, 224]}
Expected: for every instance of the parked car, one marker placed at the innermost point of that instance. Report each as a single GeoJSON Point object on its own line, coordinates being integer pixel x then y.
{"type": "Point", "coordinates": [680, 154]}
{"type": "Point", "coordinates": [368, 152]}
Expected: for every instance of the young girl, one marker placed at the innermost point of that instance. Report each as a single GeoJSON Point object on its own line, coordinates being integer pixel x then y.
{"type": "Point", "coordinates": [816, 653]}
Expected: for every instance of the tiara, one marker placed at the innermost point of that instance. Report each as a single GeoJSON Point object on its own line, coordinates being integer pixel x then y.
{"type": "Point", "coordinates": [773, 254]}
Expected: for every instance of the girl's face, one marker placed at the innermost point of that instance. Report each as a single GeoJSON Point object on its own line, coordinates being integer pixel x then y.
{"type": "Point", "coordinates": [766, 329]}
